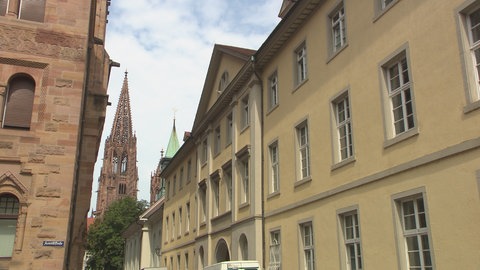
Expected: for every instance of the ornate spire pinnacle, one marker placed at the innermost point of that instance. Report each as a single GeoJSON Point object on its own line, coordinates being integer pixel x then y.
{"type": "Point", "coordinates": [122, 123]}
{"type": "Point", "coordinates": [173, 144]}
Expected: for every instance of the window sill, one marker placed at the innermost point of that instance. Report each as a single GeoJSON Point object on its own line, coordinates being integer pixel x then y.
{"type": "Point", "coordinates": [402, 137]}
{"type": "Point", "coordinates": [271, 109]}
{"type": "Point", "coordinates": [215, 155]}
{"type": "Point", "coordinates": [244, 128]}
{"type": "Point", "coordinates": [243, 205]}
{"type": "Point", "coordinates": [273, 195]}
{"type": "Point", "coordinates": [337, 52]}
{"type": "Point", "coordinates": [186, 233]}
{"type": "Point", "coordinates": [218, 217]}
{"type": "Point", "coordinates": [203, 164]}
{"type": "Point", "coordinates": [227, 144]}
{"type": "Point", "coordinates": [300, 84]}
{"type": "Point", "coordinates": [470, 107]}
{"type": "Point", "coordinates": [303, 181]}
{"type": "Point", "coordinates": [343, 163]}
{"type": "Point", "coordinates": [379, 13]}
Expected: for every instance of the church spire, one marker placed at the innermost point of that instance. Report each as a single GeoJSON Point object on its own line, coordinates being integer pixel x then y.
{"type": "Point", "coordinates": [122, 123]}
{"type": "Point", "coordinates": [173, 144]}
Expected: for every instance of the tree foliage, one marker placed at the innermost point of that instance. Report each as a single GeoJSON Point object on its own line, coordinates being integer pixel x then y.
{"type": "Point", "coordinates": [105, 244]}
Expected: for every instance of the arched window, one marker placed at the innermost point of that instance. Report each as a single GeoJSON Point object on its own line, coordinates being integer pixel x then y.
{"type": "Point", "coordinates": [243, 247]}
{"type": "Point", "coordinates": [19, 102]}
{"type": "Point", "coordinates": [114, 163]}
{"type": "Point", "coordinates": [124, 164]}
{"type": "Point", "coordinates": [9, 209]}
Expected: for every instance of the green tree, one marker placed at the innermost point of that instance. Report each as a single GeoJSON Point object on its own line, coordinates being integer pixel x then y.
{"type": "Point", "coordinates": [105, 244]}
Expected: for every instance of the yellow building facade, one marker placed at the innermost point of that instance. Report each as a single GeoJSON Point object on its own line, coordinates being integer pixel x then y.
{"type": "Point", "coordinates": [349, 140]}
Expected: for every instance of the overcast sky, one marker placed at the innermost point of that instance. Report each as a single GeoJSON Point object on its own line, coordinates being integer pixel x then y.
{"type": "Point", "coordinates": [166, 45]}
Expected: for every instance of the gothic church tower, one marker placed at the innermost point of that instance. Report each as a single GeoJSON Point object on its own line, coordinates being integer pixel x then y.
{"type": "Point", "coordinates": [119, 173]}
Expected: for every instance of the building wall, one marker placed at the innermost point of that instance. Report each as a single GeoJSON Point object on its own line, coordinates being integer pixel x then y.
{"type": "Point", "coordinates": [438, 153]}
{"type": "Point", "coordinates": [48, 164]}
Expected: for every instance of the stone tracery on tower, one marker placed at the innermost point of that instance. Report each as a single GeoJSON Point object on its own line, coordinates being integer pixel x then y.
{"type": "Point", "coordinates": [119, 173]}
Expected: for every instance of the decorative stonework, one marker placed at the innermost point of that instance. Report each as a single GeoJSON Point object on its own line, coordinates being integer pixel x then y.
{"type": "Point", "coordinates": [6, 145]}
{"type": "Point", "coordinates": [50, 150]}
{"type": "Point", "coordinates": [42, 43]}
{"type": "Point", "coordinates": [48, 192]}
{"type": "Point", "coordinates": [62, 83]}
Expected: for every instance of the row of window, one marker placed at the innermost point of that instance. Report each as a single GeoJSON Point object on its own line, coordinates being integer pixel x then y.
{"type": "Point", "coordinates": [171, 188]}
{"type": "Point", "coordinates": [174, 226]}
{"type": "Point", "coordinates": [415, 246]}
{"type": "Point", "coordinates": [30, 10]}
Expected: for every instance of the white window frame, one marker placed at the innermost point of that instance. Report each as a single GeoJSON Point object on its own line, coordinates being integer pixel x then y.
{"type": "Point", "coordinates": [275, 248]}
{"type": "Point", "coordinates": [216, 196]}
{"type": "Point", "coordinates": [307, 241]}
{"type": "Point", "coordinates": [399, 100]}
{"type": "Point", "coordinates": [167, 228]}
{"type": "Point", "coordinates": [245, 177]}
{"type": "Point", "coordinates": [418, 229]}
{"type": "Point", "coordinates": [229, 129]}
{"type": "Point", "coordinates": [204, 151]}
{"type": "Point", "coordinates": [303, 151]}
{"type": "Point", "coordinates": [203, 203]}
{"type": "Point", "coordinates": [187, 217]}
{"type": "Point", "coordinates": [273, 90]}
{"type": "Point", "coordinates": [350, 241]}
{"type": "Point", "coordinates": [227, 178]}
{"type": "Point", "coordinates": [274, 176]}
{"type": "Point", "coordinates": [245, 112]}
{"type": "Point", "coordinates": [217, 141]}
{"type": "Point", "coordinates": [338, 28]}
{"type": "Point", "coordinates": [301, 64]}
{"type": "Point", "coordinates": [342, 129]}
{"type": "Point", "coordinates": [467, 53]}
{"type": "Point", "coordinates": [180, 221]}
{"type": "Point", "coordinates": [173, 226]}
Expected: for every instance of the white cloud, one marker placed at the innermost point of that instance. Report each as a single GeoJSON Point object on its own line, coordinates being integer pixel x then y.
{"type": "Point", "coordinates": [166, 47]}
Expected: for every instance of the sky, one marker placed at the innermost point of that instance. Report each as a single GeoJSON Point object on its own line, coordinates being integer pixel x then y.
{"type": "Point", "coordinates": [166, 45]}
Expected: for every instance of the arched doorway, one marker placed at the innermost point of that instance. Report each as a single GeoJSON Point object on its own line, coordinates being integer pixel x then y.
{"type": "Point", "coordinates": [221, 251]}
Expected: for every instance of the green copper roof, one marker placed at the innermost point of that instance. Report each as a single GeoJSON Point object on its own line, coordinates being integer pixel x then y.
{"type": "Point", "coordinates": [173, 144]}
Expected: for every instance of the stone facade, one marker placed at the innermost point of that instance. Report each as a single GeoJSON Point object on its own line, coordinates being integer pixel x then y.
{"type": "Point", "coordinates": [119, 173]}
{"type": "Point", "coordinates": [52, 54]}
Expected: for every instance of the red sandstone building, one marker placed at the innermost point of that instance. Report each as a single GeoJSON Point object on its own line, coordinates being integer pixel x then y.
{"type": "Point", "coordinates": [54, 73]}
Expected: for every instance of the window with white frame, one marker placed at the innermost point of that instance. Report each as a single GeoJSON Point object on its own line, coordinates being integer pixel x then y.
{"type": "Point", "coordinates": [187, 217]}
{"type": "Point", "coordinates": [173, 225]}
{"type": "Point", "coordinates": [245, 112]}
{"type": "Point", "coordinates": [227, 177]}
{"type": "Point", "coordinates": [180, 221]}
{"type": "Point", "coordinates": [203, 202]}
{"type": "Point", "coordinates": [189, 170]}
{"type": "Point", "coordinates": [401, 113]}
{"type": "Point", "coordinates": [301, 64]}
{"type": "Point", "coordinates": [274, 168]}
{"type": "Point", "coordinates": [186, 261]}
{"type": "Point", "coordinates": [217, 141]}
{"type": "Point", "coordinates": [167, 228]}
{"type": "Point", "coordinates": [178, 262]}
{"type": "Point", "coordinates": [415, 232]}
{"type": "Point", "coordinates": [273, 90]}
{"type": "Point", "coordinates": [216, 195]}
{"type": "Point", "coordinates": [343, 127]}
{"type": "Point", "coordinates": [9, 210]}
{"type": "Point", "coordinates": [386, 3]}
{"type": "Point", "coordinates": [308, 256]}
{"type": "Point", "coordinates": [275, 251]}
{"type": "Point", "coordinates": [351, 239]}
{"type": "Point", "coordinates": [229, 129]}
{"type": "Point", "coordinates": [30, 10]}
{"type": "Point", "coordinates": [339, 36]}
{"type": "Point", "coordinates": [469, 19]}
{"type": "Point", "coordinates": [204, 151]}
{"type": "Point", "coordinates": [303, 149]}
{"type": "Point", "coordinates": [245, 177]}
